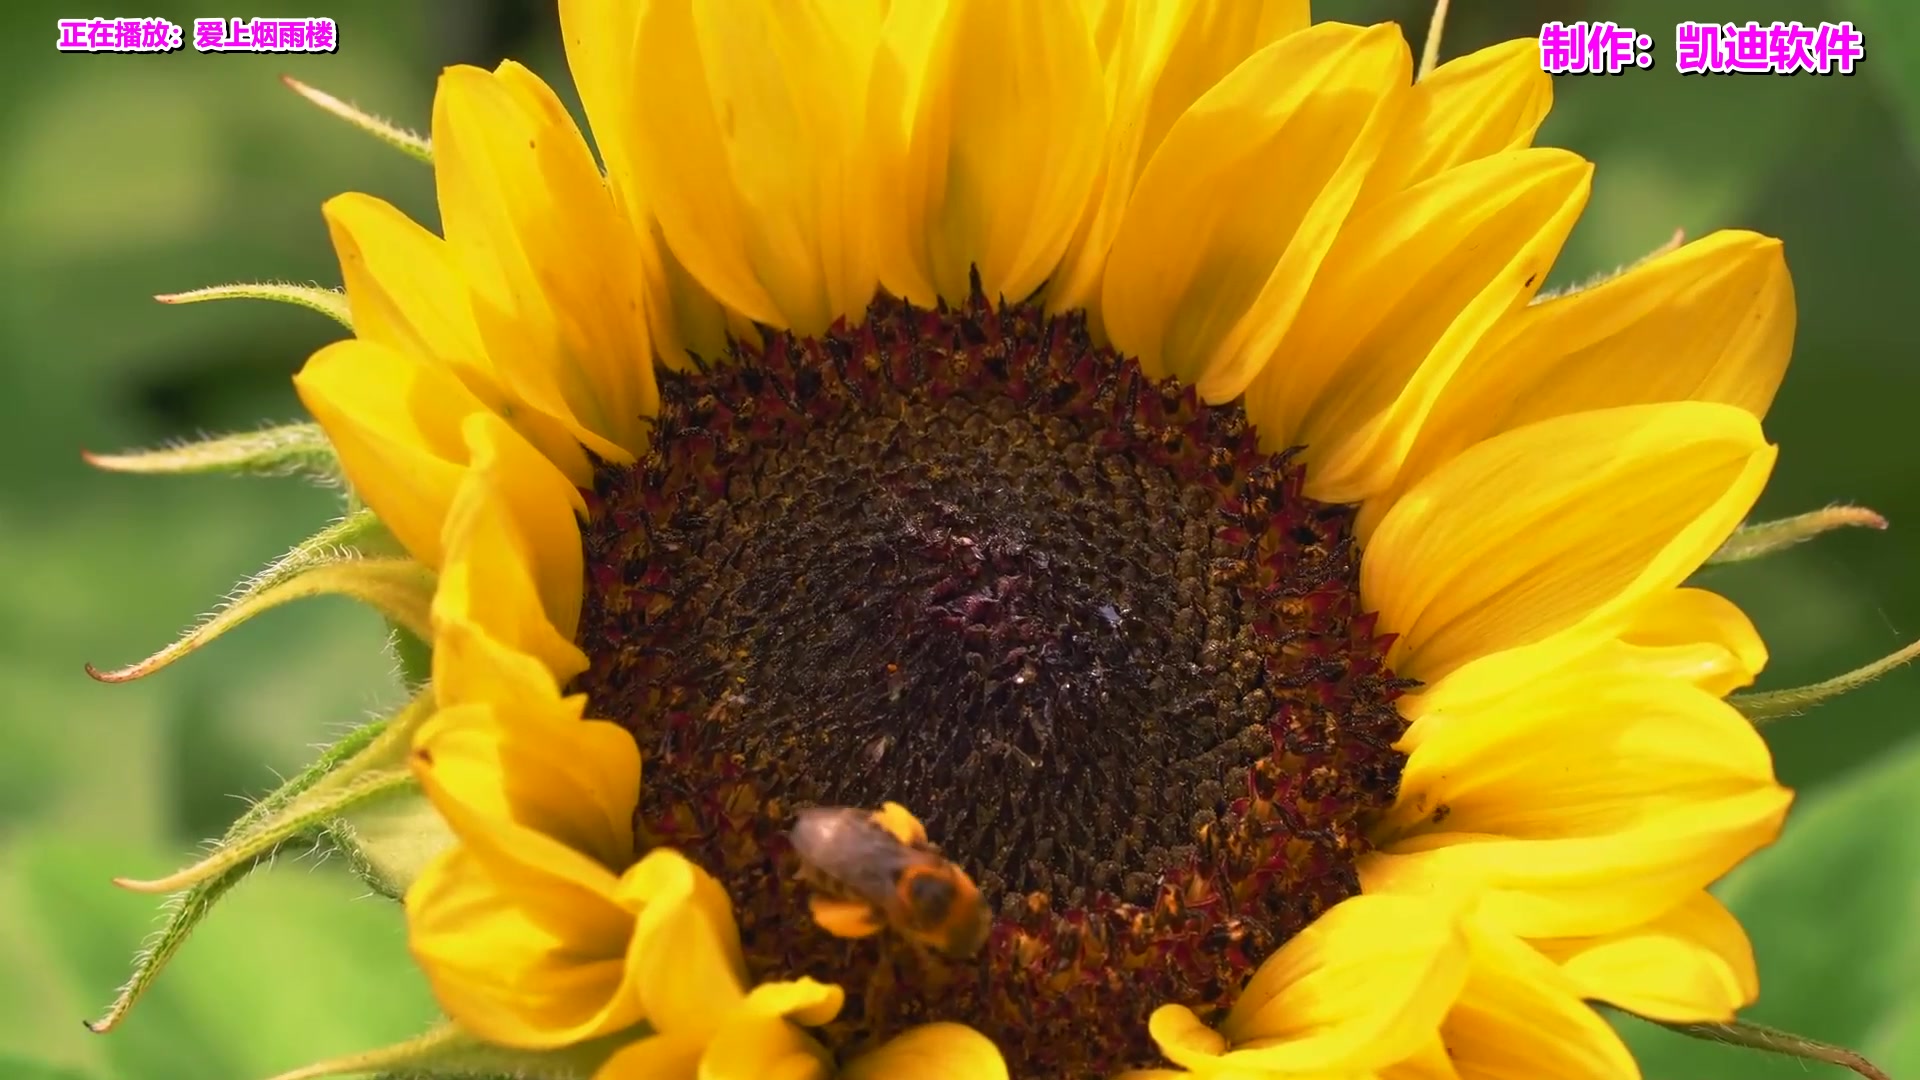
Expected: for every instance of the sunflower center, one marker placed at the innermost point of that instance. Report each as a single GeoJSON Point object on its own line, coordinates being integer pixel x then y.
{"type": "Point", "coordinates": [1073, 618]}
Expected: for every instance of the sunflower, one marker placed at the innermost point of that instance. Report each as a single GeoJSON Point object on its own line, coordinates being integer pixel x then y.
{"type": "Point", "coordinates": [1131, 437]}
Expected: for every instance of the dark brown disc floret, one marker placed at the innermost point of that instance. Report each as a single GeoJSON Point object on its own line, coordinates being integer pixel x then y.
{"type": "Point", "coordinates": [1074, 618]}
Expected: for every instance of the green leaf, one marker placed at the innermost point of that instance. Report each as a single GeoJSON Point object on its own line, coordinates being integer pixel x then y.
{"type": "Point", "coordinates": [1830, 909]}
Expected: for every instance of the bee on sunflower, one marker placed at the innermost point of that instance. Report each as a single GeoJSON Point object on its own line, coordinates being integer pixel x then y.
{"type": "Point", "coordinates": [1127, 441]}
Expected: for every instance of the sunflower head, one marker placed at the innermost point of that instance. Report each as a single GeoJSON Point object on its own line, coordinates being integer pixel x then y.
{"type": "Point", "coordinates": [1118, 455]}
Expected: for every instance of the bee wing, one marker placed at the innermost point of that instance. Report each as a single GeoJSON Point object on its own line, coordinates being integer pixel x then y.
{"type": "Point", "coordinates": [853, 852]}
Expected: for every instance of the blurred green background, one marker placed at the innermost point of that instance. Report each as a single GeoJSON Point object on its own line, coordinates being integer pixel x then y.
{"type": "Point", "coordinates": [124, 176]}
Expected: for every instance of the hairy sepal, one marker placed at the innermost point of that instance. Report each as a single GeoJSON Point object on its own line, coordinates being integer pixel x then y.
{"type": "Point", "coordinates": [388, 843]}
{"type": "Point", "coordinates": [285, 450]}
{"type": "Point", "coordinates": [411, 143]}
{"type": "Point", "coordinates": [1762, 538]}
{"type": "Point", "coordinates": [446, 1053]}
{"type": "Point", "coordinates": [367, 764]}
{"type": "Point", "coordinates": [336, 560]}
{"type": "Point", "coordinates": [1782, 1043]}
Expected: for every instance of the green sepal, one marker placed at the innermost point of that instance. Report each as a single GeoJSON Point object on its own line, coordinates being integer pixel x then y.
{"type": "Point", "coordinates": [1774, 704]}
{"type": "Point", "coordinates": [329, 302]}
{"type": "Point", "coordinates": [302, 816]}
{"type": "Point", "coordinates": [368, 764]}
{"type": "Point", "coordinates": [286, 450]}
{"type": "Point", "coordinates": [412, 144]}
{"type": "Point", "coordinates": [412, 653]}
{"type": "Point", "coordinates": [447, 1053]}
{"type": "Point", "coordinates": [1436, 30]}
{"type": "Point", "coordinates": [1784, 1043]}
{"type": "Point", "coordinates": [186, 910]}
{"type": "Point", "coordinates": [330, 562]}
{"type": "Point", "coordinates": [388, 844]}
{"type": "Point", "coordinates": [1767, 537]}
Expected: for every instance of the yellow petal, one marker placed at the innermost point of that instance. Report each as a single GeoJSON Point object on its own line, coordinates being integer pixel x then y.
{"type": "Point", "coordinates": [1690, 965]}
{"type": "Point", "coordinates": [514, 768]}
{"type": "Point", "coordinates": [760, 173]}
{"type": "Point", "coordinates": [686, 967]}
{"type": "Point", "coordinates": [764, 1048]}
{"type": "Point", "coordinates": [1431, 1061]}
{"type": "Point", "coordinates": [803, 1000]}
{"type": "Point", "coordinates": [506, 976]}
{"type": "Point", "coordinates": [1520, 1017]}
{"type": "Point", "coordinates": [1363, 986]}
{"type": "Point", "coordinates": [542, 802]}
{"type": "Point", "coordinates": [1104, 19]}
{"type": "Point", "coordinates": [673, 1056]}
{"type": "Point", "coordinates": [1236, 209]}
{"type": "Point", "coordinates": [689, 326]}
{"type": "Point", "coordinates": [1698, 636]}
{"type": "Point", "coordinates": [1213, 1073]}
{"type": "Point", "coordinates": [1572, 521]}
{"type": "Point", "coordinates": [1167, 55]}
{"type": "Point", "coordinates": [513, 557]}
{"type": "Point", "coordinates": [1479, 105]}
{"type": "Point", "coordinates": [1686, 634]}
{"type": "Point", "coordinates": [1710, 321]}
{"type": "Point", "coordinates": [395, 420]}
{"type": "Point", "coordinates": [1184, 1037]}
{"type": "Point", "coordinates": [930, 1052]}
{"type": "Point", "coordinates": [576, 781]}
{"type": "Point", "coordinates": [996, 160]}
{"type": "Point", "coordinates": [558, 292]}
{"type": "Point", "coordinates": [407, 292]}
{"type": "Point", "coordinates": [1579, 754]}
{"type": "Point", "coordinates": [1367, 980]}
{"type": "Point", "coordinates": [403, 286]}
{"type": "Point", "coordinates": [760, 1040]}
{"type": "Point", "coordinates": [600, 37]}
{"type": "Point", "coordinates": [521, 791]}
{"type": "Point", "coordinates": [472, 667]}
{"type": "Point", "coordinates": [590, 264]}
{"type": "Point", "coordinates": [511, 976]}
{"type": "Point", "coordinates": [1587, 805]}
{"type": "Point", "coordinates": [1409, 289]}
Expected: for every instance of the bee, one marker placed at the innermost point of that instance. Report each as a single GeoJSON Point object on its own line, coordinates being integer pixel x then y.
{"type": "Point", "coordinates": [870, 869]}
